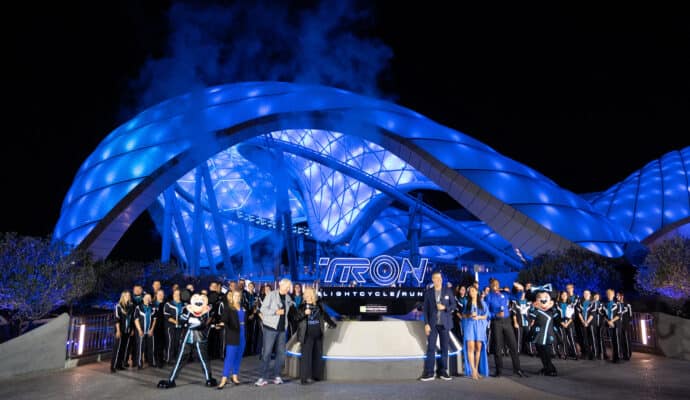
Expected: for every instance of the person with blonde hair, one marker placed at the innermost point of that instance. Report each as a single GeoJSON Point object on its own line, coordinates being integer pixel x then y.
{"type": "Point", "coordinates": [124, 312]}
{"type": "Point", "coordinates": [233, 319]}
{"type": "Point", "coordinates": [310, 318]}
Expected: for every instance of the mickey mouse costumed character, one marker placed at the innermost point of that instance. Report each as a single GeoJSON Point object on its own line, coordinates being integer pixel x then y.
{"type": "Point", "coordinates": [196, 319]}
{"type": "Point", "coordinates": [544, 320]}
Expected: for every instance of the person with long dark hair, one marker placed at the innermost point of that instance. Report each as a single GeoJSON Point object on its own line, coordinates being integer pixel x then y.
{"type": "Point", "coordinates": [474, 321]}
{"type": "Point", "coordinates": [310, 319]}
{"type": "Point", "coordinates": [124, 313]}
{"type": "Point", "coordinates": [297, 296]}
{"type": "Point", "coordinates": [566, 312]}
{"type": "Point", "coordinates": [233, 320]}
{"type": "Point", "coordinates": [461, 301]}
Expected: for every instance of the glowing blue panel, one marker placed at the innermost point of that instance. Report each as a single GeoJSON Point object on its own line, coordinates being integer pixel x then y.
{"type": "Point", "coordinates": [651, 199]}
{"type": "Point", "coordinates": [201, 126]}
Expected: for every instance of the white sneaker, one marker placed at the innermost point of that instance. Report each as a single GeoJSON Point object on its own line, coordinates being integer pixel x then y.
{"type": "Point", "coordinates": [278, 380]}
{"type": "Point", "coordinates": [261, 382]}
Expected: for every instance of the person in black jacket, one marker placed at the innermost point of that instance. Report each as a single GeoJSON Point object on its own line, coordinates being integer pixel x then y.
{"type": "Point", "coordinates": [625, 310]}
{"type": "Point", "coordinates": [310, 318]}
{"type": "Point", "coordinates": [566, 341]}
{"type": "Point", "coordinates": [124, 312]}
{"type": "Point", "coordinates": [145, 324]}
{"type": "Point", "coordinates": [610, 310]}
{"type": "Point", "coordinates": [586, 310]}
{"type": "Point", "coordinates": [233, 319]}
{"type": "Point", "coordinates": [159, 331]}
{"type": "Point", "coordinates": [173, 326]}
{"type": "Point", "coordinates": [598, 323]}
{"type": "Point", "coordinates": [439, 306]}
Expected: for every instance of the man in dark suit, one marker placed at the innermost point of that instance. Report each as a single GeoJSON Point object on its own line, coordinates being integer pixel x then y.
{"type": "Point", "coordinates": [439, 305]}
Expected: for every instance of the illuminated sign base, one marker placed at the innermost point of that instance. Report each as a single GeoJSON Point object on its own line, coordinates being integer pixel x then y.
{"type": "Point", "coordinates": [372, 300]}
{"type": "Point", "coordinates": [391, 349]}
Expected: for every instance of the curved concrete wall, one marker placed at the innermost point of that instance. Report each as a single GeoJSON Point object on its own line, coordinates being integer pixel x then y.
{"type": "Point", "coordinates": [41, 349]}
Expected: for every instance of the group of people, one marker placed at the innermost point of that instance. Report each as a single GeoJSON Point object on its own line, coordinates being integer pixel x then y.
{"type": "Point", "coordinates": [522, 320]}
{"type": "Point", "coordinates": [233, 321]}
{"type": "Point", "coordinates": [221, 322]}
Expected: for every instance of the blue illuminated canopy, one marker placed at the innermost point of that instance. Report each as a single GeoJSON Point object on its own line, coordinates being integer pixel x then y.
{"type": "Point", "coordinates": [653, 200]}
{"type": "Point", "coordinates": [208, 166]}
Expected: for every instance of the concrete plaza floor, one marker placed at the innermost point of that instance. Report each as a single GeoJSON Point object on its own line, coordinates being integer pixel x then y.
{"type": "Point", "coordinates": [644, 377]}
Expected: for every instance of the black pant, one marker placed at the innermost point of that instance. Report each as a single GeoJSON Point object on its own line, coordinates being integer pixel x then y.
{"type": "Point", "coordinates": [159, 334]}
{"type": "Point", "coordinates": [442, 333]}
{"type": "Point", "coordinates": [132, 350]}
{"type": "Point", "coordinates": [186, 350]}
{"type": "Point", "coordinates": [311, 362]}
{"type": "Point", "coordinates": [626, 349]}
{"type": "Point", "coordinates": [214, 350]}
{"type": "Point", "coordinates": [614, 335]}
{"type": "Point", "coordinates": [591, 342]}
{"type": "Point", "coordinates": [567, 341]}
{"type": "Point", "coordinates": [545, 356]}
{"type": "Point", "coordinates": [594, 332]}
{"type": "Point", "coordinates": [502, 331]}
{"type": "Point", "coordinates": [172, 343]}
{"type": "Point", "coordinates": [120, 347]}
{"type": "Point", "coordinates": [249, 338]}
{"type": "Point", "coordinates": [626, 346]}
{"type": "Point", "coordinates": [603, 333]}
{"type": "Point", "coordinates": [523, 343]}
{"type": "Point", "coordinates": [145, 346]}
{"type": "Point", "coordinates": [457, 329]}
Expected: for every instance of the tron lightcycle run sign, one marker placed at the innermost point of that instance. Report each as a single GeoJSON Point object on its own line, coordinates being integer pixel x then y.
{"type": "Point", "coordinates": [383, 270]}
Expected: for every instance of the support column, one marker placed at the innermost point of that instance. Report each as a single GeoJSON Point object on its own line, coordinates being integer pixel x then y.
{"type": "Point", "coordinates": [197, 228]}
{"type": "Point", "coordinates": [217, 222]}
{"type": "Point", "coordinates": [414, 230]}
{"type": "Point", "coordinates": [283, 212]}
{"type": "Point", "coordinates": [169, 197]}
{"type": "Point", "coordinates": [247, 261]}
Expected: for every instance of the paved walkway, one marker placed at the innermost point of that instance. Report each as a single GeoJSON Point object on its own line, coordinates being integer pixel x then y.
{"type": "Point", "coordinates": [645, 377]}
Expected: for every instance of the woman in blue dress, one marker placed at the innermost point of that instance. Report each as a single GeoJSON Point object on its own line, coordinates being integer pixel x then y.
{"type": "Point", "coordinates": [233, 319]}
{"type": "Point", "coordinates": [474, 325]}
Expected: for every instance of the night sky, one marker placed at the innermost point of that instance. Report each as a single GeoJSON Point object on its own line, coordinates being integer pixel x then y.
{"type": "Point", "coordinates": [585, 96]}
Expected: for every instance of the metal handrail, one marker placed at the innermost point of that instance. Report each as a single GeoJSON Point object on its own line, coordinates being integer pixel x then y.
{"type": "Point", "coordinates": [94, 334]}
{"type": "Point", "coordinates": [90, 334]}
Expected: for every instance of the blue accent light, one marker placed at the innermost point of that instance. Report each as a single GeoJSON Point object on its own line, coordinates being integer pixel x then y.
{"type": "Point", "coordinates": [375, 358]}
